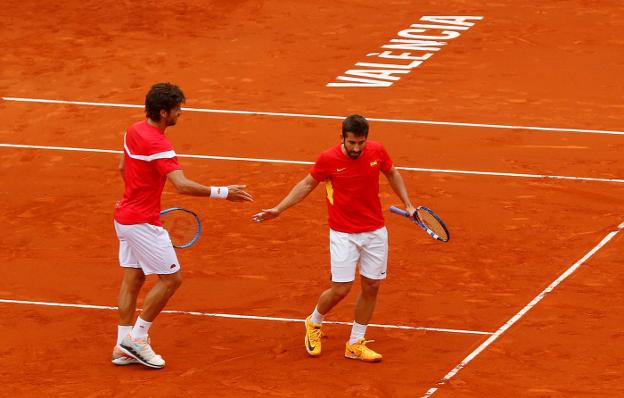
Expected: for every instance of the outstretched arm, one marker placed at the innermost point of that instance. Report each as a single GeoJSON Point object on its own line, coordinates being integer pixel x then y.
{"type": "Point", "coordinates": [185, 186]}
{"type": "Point", "coordinates": [296, 195]}
{"type": "Point", "coordinates": [398, 186]}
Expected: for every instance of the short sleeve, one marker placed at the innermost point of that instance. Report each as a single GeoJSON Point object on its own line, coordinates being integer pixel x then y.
{"type": "Point", "coordinates": [320, 169]}
{"type": "Point", "coordinates": [386, 162]}
{"type": "Point", "coordinates": [166, 166]}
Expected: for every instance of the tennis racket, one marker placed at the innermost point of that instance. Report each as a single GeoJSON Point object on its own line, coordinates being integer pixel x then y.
{"type": "Point", "coordinates": [426, 219]}
{"type": "Point", "coordinates": [183, 225]}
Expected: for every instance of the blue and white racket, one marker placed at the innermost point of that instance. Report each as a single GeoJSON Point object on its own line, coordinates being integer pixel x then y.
{"type": "Point", "coordinates": [426, 219]}
{"type": "Point", "coordinates": [183, 225]}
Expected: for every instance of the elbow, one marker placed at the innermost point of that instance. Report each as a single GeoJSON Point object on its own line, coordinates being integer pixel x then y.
{"type": "Point", "coordinates": [178, 185]}
{"type": "Point", "coordinates": [309, 184]}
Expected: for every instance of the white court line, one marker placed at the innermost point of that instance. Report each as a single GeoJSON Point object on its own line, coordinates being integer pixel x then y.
{"type": "Point", "coordinates": [261, 160]}
{"type": "Point", "coordinates": [237, 316]}
{"type": "Point", "coordinates": [313, 116]}
{"type": "Point", "coordinates": [522, 312]}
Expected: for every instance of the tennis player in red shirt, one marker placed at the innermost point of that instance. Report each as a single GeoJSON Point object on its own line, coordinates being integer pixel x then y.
{"type": "Point", "coordinates": [357, 233]}
{"type": "Point", "coordinates": [144, 246]}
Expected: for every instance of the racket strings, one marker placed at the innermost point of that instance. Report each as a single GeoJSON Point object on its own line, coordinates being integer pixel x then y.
{"type": "Point", "coordinates": [181, 226]}
{"type": "Point", "coordinates": [433, 224]}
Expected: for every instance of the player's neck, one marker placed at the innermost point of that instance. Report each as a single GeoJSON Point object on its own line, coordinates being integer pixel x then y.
{"type": "Point", "coordinates": [160, 125]}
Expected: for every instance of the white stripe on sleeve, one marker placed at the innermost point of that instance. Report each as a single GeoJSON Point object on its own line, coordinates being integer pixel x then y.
{"type": "Point", "coordinates": [149, 158]}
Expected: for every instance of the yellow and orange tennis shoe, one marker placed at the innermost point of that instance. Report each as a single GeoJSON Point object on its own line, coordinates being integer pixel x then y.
{"type": "Point", "coordinates": [312, 337]}
{"type": "Point", "coordinates": [358, 350]}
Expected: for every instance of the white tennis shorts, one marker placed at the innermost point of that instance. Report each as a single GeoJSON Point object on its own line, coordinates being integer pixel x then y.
{"type": "Point", "coordinates": [370, 249]}
{"type": "Point", "coordinates": [147, 247]}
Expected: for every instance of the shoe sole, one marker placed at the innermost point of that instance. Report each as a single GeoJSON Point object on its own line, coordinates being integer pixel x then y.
{"type": "Point", "coordinates": [124, 361]}
{"type": "Point", "coordinates": [348, 356]}
{"type": "Point", "coordinates": [139, 360]}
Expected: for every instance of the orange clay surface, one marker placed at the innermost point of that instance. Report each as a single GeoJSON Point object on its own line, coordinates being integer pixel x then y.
{"type": "Point", "coordinates": [530, 63]}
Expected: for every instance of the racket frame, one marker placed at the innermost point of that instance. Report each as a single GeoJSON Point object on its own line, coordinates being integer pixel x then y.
{"type": "Point", "coordinates": [199, 226]}
{"type": "Point", "coordinates": [421, 224]}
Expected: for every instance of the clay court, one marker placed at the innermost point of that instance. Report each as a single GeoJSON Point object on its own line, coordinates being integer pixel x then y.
{"type": "Point", "coordinates": [512, 132]}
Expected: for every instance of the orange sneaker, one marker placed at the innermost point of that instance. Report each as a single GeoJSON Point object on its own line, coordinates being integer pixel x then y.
{"type": "Point", "coordinates": [312, 337]}
{"type": "Point", "coordinates": [358, 350]}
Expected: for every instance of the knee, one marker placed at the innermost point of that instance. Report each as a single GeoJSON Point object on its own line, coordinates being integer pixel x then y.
{"type": "Point", "coordinates": [370, 287]}
{"type": "Point", "coordinates": [341, 291]}
{"type": "Point", "coordinates": [135, 282]}
{"type": "Point", "coordinates": [174, 281]}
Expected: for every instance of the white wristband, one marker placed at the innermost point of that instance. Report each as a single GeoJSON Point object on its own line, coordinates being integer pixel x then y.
{"type": "Point", "coordinates": [219, 192]}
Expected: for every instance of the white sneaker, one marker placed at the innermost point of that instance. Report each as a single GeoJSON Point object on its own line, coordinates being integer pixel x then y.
{"type": "Point", "coordinates": [141, 350]}
{"type": "Point", "coordinates": [121, 358]}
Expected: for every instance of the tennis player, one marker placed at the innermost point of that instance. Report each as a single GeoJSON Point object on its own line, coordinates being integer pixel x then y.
{"type": "Point", "coordinates": [357, 233]}
{"type": "Point", "coordinates": [144, 246]}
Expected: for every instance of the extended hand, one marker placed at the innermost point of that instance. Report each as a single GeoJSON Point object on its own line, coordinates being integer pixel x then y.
{"type": "Point", "coordinates": [236, 193]}
{"type": "Point", "coordinates": [265, 214]}
{"type": "Point", "coordinates": [411, 210]}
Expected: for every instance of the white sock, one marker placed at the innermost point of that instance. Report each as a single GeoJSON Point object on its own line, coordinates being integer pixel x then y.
{"type": "Point", "coordinates": [317, 317]}
{"type": "Point", "coordinates": [357, 332]}
{"type": "Point", "coordinates": [122, 331]}
{"type": "Point", "coordinates": [141, 328]}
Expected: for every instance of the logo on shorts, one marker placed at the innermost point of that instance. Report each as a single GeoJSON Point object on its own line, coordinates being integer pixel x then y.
{"type": "Point", "coordinates": [172, 266]}
{"type": "Point", "coordinates": [340, 169]}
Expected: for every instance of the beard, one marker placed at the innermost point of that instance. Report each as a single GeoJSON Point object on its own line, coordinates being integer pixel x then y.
{"type": "Point", "coordinates": [354, 155]}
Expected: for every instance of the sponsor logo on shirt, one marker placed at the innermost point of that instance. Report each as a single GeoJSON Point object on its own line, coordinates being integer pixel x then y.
{"type": "Point", "coordinates": [340, 169]}
{"type": "Point", "coordinates": [373, 163]}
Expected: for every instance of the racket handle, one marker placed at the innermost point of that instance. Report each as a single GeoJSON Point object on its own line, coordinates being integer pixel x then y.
{"type": "Point", "coordinates": [398, 211]}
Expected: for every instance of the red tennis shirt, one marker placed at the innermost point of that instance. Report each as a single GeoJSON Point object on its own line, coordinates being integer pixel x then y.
{"type": "Point", "coordinates": [353, 187]}
{"type": "Point", "coordinates": [148, 158]}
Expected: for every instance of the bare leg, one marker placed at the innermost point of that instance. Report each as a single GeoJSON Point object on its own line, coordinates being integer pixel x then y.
{"type": "Point", "coordinates": [158, 296]}
{"type": "Point", "coordinates": [128, 292]}
{"type": "Point", "coordinates": [366, 301]}
{"type": "Point", "coordinates": [332, 296]}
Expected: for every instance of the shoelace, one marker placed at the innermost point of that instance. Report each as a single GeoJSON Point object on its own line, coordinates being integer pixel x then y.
{"type": "Point", "coordinates": [145, 350]}
{"type": "Point", "coordinates": [315, 335]}
{"type": "Point", "coordinates": [362, 345]}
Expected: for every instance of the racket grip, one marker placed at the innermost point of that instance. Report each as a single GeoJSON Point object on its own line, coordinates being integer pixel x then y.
{"type": "Point", "coordinates": [398, 211]}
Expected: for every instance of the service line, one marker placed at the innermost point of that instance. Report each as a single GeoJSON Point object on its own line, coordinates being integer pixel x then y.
{"type": "Point", "coordinates": [313, 116]}
{"type": "Point", "coordinates": [280, 161]}
{"type": "Point", "coordinates": [238, 316]}
{"type": "Point", "coordinates": [522, 312]}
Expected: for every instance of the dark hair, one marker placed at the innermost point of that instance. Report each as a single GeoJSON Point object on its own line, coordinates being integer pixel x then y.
{"type": "Point", "coordinates": [162, 96]}
{"type": "Point", "coordinates": [355, 124]}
